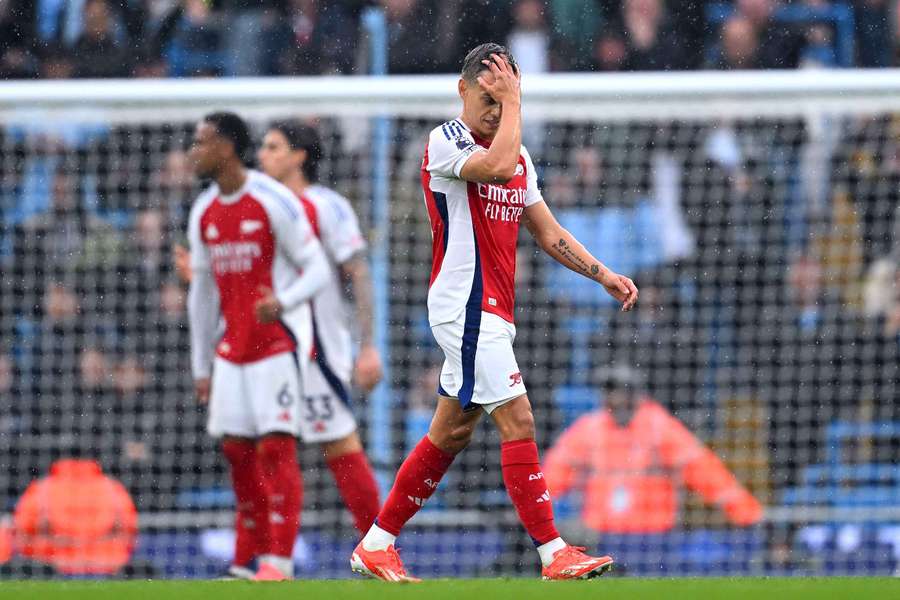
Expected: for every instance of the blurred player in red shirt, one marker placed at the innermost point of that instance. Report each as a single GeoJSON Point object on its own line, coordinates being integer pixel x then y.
{"type": "Point", "coordinates": [479, 183]}
{"type": "Point", "coordinates": [290, 153]}
{"type": "Point", "coordinates": [254, 259]}
{"type": "Point", "coordinates": [631, 459]}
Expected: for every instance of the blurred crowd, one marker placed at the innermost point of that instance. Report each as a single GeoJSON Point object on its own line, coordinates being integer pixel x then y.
{"type": "Point", "coordinates": [766, 294]}
{"type": "Point", "coordinates": [769, 318]}
{"type": "Point", "coordinates": [58, 39]}
{"type": "Point", "coordinates": [769, 313]}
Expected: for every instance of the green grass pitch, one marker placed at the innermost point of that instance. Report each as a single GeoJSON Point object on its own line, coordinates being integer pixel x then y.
{"type": "Point", "coordinates": [466, 589]}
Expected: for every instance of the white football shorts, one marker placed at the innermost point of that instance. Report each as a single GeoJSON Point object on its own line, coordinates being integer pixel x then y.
{"type": "Point", "coordinates": [254, 399]}
{"type": "Point", "coordinates": [480, 367]}
{"type": "Point", "coordinates": [325, 415]}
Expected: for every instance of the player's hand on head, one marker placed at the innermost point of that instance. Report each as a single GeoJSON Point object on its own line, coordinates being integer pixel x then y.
{"type": "Point", "coordinates": [182, 262]}
{"type": "Point", "coordinates": [501, 81]}
{"type": "Point", "coordinates": [267, 308]}
{"type": "Point", "coordinates": [201, 388]}
{"type": "Point", "coordinates": [622, 289]}
{"type": "Point", "coordinates": [367, 372]}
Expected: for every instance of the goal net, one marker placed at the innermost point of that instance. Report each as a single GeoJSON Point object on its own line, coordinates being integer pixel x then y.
{"type": "Point", "coordinates": [742, 419]}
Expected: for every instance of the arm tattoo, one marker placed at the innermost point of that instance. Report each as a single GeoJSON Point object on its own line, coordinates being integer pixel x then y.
{"type": "Point", "coordinates": [575, 262]}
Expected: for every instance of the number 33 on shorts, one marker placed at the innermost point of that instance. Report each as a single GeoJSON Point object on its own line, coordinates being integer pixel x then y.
{"type": "Point", "coordinates": [325, 416]}
{"type": "Point", "coordinates": [319, 408]}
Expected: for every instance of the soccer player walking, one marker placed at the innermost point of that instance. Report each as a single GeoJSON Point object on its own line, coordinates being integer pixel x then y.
{"type": "Point", "coordinates": [479, 184]}
{"type": "Point", "coordinates": [290, 153]}
{"type": "Point", "coordinates": [254, 258]}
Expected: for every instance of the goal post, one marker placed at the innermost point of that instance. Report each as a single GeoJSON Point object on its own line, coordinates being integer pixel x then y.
{"type": "Point", "coordinates": [756, 212]}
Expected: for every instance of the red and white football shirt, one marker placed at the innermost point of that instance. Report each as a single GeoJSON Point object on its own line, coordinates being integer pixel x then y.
{"type": "Point", "coordinates": [257, 237]}
{"type": "Point", "coordinates": [474, 226]}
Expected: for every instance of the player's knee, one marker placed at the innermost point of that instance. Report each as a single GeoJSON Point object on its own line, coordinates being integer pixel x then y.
{"type": "Point", "coordinates": [277, 449]}
{"type": "Point", "coordinates": [518, 425]}
{"type": "Point", "coordinates": [350, 444]}
{"type": "Point", "coordinates": [452, 439]}
{"type": "Point", "coordinates": [525, 426]}
{"type": "Point", "coordinates": [462, 434]}
{"type": "Point", "coordinates": [238, 451]}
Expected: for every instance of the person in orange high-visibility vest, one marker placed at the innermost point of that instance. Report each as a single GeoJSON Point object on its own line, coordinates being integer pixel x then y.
{"type": "Point", "coordinates": [77, 520]}
{"type": "Point", "coordinates": [631, 460]}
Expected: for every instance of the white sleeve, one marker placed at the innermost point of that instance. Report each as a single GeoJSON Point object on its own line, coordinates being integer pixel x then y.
{"type": "Point", "coordinates": [339, 229]}
{"type": "Point", "coordinates": [203, 315]}
{"type": "Point", "coordinates": [200, 259]}
{"type": "Point", "coordinates": [532, 192]}
{"type": "Point", "coordinates": [203, 302]}
{"type": "Point", "coordinates": [295, 239]}
{"type": "Point", "coordinates": [449, 147]}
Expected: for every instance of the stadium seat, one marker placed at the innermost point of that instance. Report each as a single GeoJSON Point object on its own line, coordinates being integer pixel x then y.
{"type": "Point", "coordinates": [842, 484]}
{"type": "Point", "coordinates": [574, 401]}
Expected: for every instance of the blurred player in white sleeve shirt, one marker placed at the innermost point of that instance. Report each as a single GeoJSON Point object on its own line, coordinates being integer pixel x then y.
{"type": "Point", "coordinates": [290, 153]}
{"type": "Point", "coordinates": [254, 258]}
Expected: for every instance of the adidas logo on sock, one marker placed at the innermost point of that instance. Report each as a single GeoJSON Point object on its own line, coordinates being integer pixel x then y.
{"type": "Point", "coordinates": [417, 501]}
{"type": "Point", "coordinates": [545, 497]}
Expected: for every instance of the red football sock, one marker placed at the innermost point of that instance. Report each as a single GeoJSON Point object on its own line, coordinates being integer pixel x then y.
{"type": "Point", "coordinates": [527, 489]}
{"type": "Point", "coordinates": [251, 497]}
{"type": "Point", "coordinates": [416, 480]}
{"type": "Point", "coordinates": [356, 482]}
{"type": "Point", "coordinates": [278, 459]}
